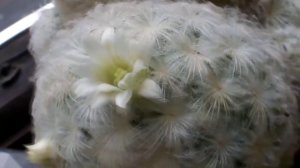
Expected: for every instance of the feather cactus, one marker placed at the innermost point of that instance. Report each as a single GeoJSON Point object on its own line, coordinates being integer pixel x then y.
{"type": "Point", "coordinates": [175, 84]}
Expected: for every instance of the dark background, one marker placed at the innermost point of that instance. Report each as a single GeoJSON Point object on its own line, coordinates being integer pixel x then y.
{"type": "Point", "coordinates": [13, 10]}
{"type": "Point", "coordinates": [16, 70]}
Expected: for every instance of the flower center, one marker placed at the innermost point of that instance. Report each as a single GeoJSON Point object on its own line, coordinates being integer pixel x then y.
{"type": "Point", "coordinates": [112, 71]}
{"type": "Point", "coordinates": [119, 74]}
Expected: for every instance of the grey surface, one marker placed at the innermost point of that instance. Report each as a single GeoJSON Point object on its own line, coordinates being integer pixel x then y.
{"type": "Point", "coordinates": [6, 161]}
{"type": "Point", "coordinates": [14, 159]}
{"type": "Point", "coordinates": [13, 10]}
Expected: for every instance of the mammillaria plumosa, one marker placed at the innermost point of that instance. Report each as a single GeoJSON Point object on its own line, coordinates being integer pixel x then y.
{"type": "Point", "coordinates": [166, 84]}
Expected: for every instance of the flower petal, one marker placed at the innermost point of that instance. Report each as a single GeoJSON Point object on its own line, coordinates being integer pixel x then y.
{"type": "Point", "coordinates": [123, 98]}
{"type": "Point", "coordinates": [138, 66]}
{"type": "Point", "coordinates": [42, 152]}
{"type": "Point", "coordinates": [150, 89]}
{"type": "Point", "coordinates": [84, 87]}
{"type": "Point", "coordinates": [108, 37]}
{"type": "Point", "coordinates": [125, 82]}
{"type": "Point", "coordinates": [134, 79]}
{"type": "Point", "coordinates": [107, 88]}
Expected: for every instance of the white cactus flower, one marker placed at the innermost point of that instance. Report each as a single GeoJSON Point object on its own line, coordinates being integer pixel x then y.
{"type": "Point", "coordinates": [42, 152]}
{"type": "Point", "coordinates": [117, 78]}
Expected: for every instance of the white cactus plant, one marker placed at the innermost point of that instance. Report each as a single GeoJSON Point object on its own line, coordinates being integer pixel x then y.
{"type": "Point", "coordinates": [166, 84]}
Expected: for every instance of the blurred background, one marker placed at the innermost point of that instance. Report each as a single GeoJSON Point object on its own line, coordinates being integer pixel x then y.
{"type": "Point", "coordinates": [16, 70]}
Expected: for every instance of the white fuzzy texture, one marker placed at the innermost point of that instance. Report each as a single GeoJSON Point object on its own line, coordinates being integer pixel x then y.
{"type": "Point", "coordinates": [158, 84]}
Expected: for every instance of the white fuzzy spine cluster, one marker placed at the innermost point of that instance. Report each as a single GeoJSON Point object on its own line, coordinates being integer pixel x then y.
{"type": "Point", "coordinates": [186, 86]}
